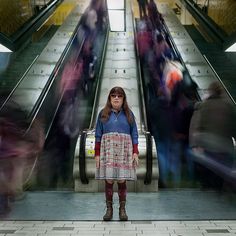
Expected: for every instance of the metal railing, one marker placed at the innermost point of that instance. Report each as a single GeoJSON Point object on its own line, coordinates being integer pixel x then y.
{"type": "Point", "coordinates": [218, 77]}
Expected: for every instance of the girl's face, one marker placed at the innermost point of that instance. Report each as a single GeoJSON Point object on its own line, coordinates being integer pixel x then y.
{"type": "Point", "coordinates": [116, 101]}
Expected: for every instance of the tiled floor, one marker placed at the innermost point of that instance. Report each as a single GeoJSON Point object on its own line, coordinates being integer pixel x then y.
{"type": "Point", "coordinates": [130, 228]}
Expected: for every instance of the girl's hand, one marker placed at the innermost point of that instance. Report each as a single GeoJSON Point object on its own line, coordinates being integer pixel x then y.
{"type": "Point", "coordinates": [135, 159]}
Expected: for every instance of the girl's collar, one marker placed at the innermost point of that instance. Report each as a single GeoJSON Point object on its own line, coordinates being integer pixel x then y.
{"type": "Point", "coordinates": [116, 111]}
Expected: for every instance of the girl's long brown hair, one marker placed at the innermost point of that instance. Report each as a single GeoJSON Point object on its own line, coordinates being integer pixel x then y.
{"type": "Point", "coordinates": [106, 111]}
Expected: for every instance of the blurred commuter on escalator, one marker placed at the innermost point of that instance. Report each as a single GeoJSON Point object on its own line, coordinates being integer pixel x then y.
{"type": "Point", "coordinates": [89, 64]}
{"type": "Point", "coordinates": [144, 40]}
{"type": "Point", "coordinates": [154, 15]}
{"type": "Point", "coordinates": [213, 126]}
{"type": "Point", "coordinates": [171, 112]}
{"type": "Point", "coordinates": [160, 115]}
{"type": "Point", "coordinates": [20, 145]}
{"type": "Point", "coordinates": [87, 32]}
{"type": "Point", "coordinates": [116, 149]}
{"type": "Point", "coordinates": [162, 53]}
{"type": "Point", "coordinates": [142, 4]}
{"type": "Point", "coordinates": [67, 119]}
{"type": "Point", "coordinates": [100, 7]}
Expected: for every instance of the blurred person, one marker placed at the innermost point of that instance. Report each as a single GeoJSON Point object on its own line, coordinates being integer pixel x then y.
{"type": "Point", "coordinates": [182, 110]}
{"type": "Point", "coordinates": [116, 149]}
{"type": "Point", "coordinates": [67, 119]}
{"type": "Point", "coordinates": [89, 22]}
{"type": "Point", "coordinates": [91, 19]}
{"type": "Point", "coordinates": [71, 76]}
{"type": "Point", "coordinates": [142, 4]}
{"type": "Point", "coordinates": [158, 59]}
{"type": "Point", "coordinates": [154, 15]}
{"type": "Point", "coordinates": [161, 123]}
{"type": "Point", "coordinates": [144, 40]}
{"type": "Point", "coordinates": [193, 146]}
{"type": "Point", "coordinates": [213, 126]}
{"type": "Point", "coordinates": [19, 143]}
{"type": "Point", "coordinates": [87, 31]}
{"type": "Point", "coordinates": [100, 7]}
{"type": "Point", "coordinates": [172, 78]}
{"type": "Point", "coordinates": [89, 63]}
{"type": "Point", "coordinates": [71, 81]}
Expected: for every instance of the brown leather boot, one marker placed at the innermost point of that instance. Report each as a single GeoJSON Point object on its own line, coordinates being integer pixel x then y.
{"type": "Point", "coordinates": [109, 213]}
{"type": "Point", "coordinates": [122, 212]}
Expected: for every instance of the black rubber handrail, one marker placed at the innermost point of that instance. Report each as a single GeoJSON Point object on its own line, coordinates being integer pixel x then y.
{"type": "Point", "coordinates": [54, 73]}
{"type": "Point", "coordinates": [15, 41]}
{"type": "Point", "coordinates": [212, 28]}
{"type": "Point", "coordinates": [82, 161]}
{"type": "Point", "coordinates": [95, 104]}
{"type": "Point", "coordinates": [149, 156]}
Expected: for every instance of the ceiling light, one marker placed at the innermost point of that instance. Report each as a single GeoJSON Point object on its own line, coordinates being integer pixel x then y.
{"type": "Point", "coordinates": [4, 49]}
{"type": "Point", "coordinates": [117, 21]}
{"type": "Point", "coordinates": [116, 13]}
{"type": "Point", "coordinates": [232, 48]}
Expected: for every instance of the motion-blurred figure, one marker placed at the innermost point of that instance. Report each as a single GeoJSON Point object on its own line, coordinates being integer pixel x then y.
{"type": "Point", "coordinates": [158, 58]}
{"type": "Point", "coordinates": [144, 40]}
{"type": "Point", "coordinates": [154, 15]}
{"type": "Point", "coordinates": [100, 7]}
{"type": "Point", "coordinates": [20, 143]}
{"type": "Point", "coordinates": [89, 62]}
{"type": "Point", "coordinates": [160, 114]}
{"type": "Point", "coordinates": [142, 4]}
{"type": "Point", "coordinates": [213, 126]}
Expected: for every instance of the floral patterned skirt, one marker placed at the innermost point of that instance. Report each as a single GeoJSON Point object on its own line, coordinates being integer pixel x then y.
{"type": "Point", "coordinates": [116, 158]}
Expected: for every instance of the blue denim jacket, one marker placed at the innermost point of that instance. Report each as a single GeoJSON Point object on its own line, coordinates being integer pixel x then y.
{"type": "Point", "coordinates": [116, 123]}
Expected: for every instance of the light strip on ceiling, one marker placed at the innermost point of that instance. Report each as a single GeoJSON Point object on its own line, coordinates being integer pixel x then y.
{"type": "Point", "coordinates": [116, 13]}
{"type": "Point", "coordinates": [4, 49]}
{"type": "Point", "coordinates": [232, 48]}
{"type": "Point", "coordinates": [115, 4]}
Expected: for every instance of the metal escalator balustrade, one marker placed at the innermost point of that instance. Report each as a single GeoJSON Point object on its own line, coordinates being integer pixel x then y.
{"type": "Point", "coordinates": [198, 67]}
{"type": "Point", "coordinates": [36, 92]}
{"type": "Point", "coordinates": [203, 74]}
{"type": "Point", "coordinates": [119, 69]}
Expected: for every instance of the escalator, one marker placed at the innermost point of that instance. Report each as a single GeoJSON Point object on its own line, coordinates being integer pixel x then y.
{"type": "Point", "coordinates": [38, 95]}
{"type": "Point", "coordinates": [120, 68]}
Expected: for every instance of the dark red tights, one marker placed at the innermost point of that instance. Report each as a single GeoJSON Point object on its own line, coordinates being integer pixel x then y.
{"type": "Point", "coordinates": [122, 191]}
{"type": "Point", "coordinates": [109, 191]}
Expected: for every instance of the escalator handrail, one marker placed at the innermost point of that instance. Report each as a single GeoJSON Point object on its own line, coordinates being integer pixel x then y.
{"type": "Point", "coordinates": [149, 156]}
{"type": "Point", "coordinates": [94, 110]}
{"type": "Point", "coordinates": [20, 80]}
{"type": "Point", "coordinates": [141, 92]}
{"type": "Point", "coordinates": [218, 33]}
{"type": "Point", "coordinates": [82, 160]}
{"type": "Point", "coordinates": [16, 40]}
{"type": "Point", "coordinates": [149, 159]}
{"type": "Point", "coordinates": [219, 79]}
{"type": "Point", "coordinates": [172, 43]}
{"type": "Point", "coordinates": [54, 73]}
